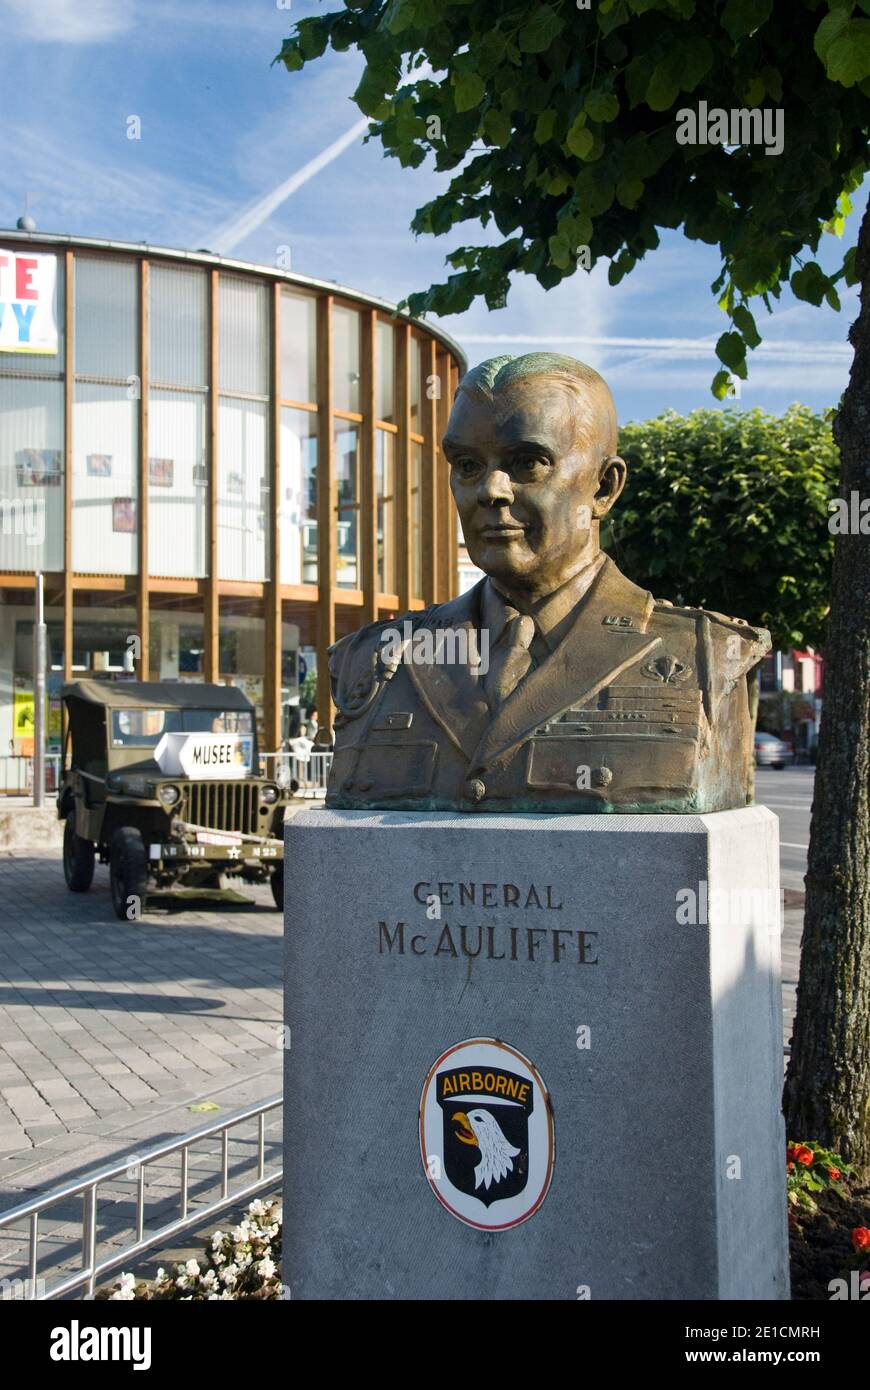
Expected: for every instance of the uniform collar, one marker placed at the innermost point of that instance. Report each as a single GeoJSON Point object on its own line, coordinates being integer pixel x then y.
{"type": "Point", "coordinates": [553, 614]}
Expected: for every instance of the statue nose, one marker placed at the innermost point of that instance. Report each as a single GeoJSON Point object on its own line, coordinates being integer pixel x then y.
{"type": "Point", "coordinates": [495, 487]}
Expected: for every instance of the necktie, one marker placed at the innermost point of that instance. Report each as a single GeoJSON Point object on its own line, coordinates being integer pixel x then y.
{"type": "Point", "coordinates": [510, 659]}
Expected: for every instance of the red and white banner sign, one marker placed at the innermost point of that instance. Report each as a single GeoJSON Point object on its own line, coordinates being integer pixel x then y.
{"type": "Point", "coordinates": [27, 312]}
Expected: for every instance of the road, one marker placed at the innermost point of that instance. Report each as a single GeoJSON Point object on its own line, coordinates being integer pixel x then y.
{"type": "Point", "coordinates": [789, 793]}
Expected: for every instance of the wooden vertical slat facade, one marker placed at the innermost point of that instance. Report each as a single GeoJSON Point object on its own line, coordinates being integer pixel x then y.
{"type": "Point", "coordinates": [429, 478]}
{"type": "Point", "coordinates": [143, 608]}
{"type": "Point", "coordinates": [211, 601]}
{"type": "Point", "coordinates": [68, 387]}
{"type": "Point", "coordinates": [272, 593]}
{"type": "Point", "coordinates": [447, 510]}
{"type": "Point", "coordinates": [403, 465]}
{"type": "Point", "coordinates": [452, 534]}
{"type": "Point", "coordinates": [368, 499]}
{"type": "Point", "coordinates": [327, 510]}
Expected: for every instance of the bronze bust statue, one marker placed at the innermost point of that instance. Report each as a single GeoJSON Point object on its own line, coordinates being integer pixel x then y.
{"type": "Point", "coordinates": [555, 684]}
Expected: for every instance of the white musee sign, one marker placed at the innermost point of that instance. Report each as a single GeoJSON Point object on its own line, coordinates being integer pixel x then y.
{"type": "Point", "coordinates": [205, 756]}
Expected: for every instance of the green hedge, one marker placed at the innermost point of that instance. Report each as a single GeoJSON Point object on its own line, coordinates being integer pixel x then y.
{"type": "Point", "coordinates": [728, 510]}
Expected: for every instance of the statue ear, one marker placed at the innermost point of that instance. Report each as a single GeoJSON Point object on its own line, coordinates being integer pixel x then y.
{"type": "Point", "coordinates": [611, 480]}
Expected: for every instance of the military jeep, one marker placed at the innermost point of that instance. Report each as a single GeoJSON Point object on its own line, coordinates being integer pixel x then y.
{"type": "Point", "coordinates": [161, 785]}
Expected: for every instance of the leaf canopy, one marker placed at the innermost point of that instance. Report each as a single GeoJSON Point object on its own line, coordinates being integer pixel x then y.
{"type": "Point", "coordinates": [560, 123]}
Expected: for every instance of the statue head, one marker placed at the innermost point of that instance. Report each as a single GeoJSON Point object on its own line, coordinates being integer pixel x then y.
{"type": "Point", "coordinates": [531, 444]}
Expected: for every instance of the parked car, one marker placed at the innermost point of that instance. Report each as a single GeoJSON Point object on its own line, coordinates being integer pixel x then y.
{"type": "Point", "coordinates": [161, 785]}
{"type": "Point", "coordinates": [771, 751]}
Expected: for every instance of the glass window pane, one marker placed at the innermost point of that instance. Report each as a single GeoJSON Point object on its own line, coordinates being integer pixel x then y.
{"type": "Point", "coordinates": [416, 384]}
{"type": "Point", "coordinates": [102, 623]}
{"type": "Point", "coordinates": [243, 650]}
{"type": "Point", "coordinates": [177, 484]}
{"type": "Point", "coordinates": [417, 520]}
{"type": "Point", "coordinates": [178, 326]}
{"type": "Point", "coordinates": [298, 347]}
{"type": "Point", "coordinates": [177, 646]}
{"type": "Point", "coordinates": [17, 708]}
{"type": "Point", "coordinates": [345, 359]}
{"type": "Point", "coordinates": [31, 474]}
{"type": "Point", "coordinates": [347, 478]}
{"type": "Point", "coordinates": [105, 507]}
{"type": "Point", "coordinates": [243, 490]}
{"type": "Point", "coordinates": [45, 363]}
{"type": "Point", "coordinates": [386, 371]}
{"type": "Point", "coordinates": [297, 505]}
{"type": "Point", "coordinates": [243, 336]}
{"type": "Point", "coordinates": [106, 317]}
{"type": "Point", "coordinates": [385, 482]}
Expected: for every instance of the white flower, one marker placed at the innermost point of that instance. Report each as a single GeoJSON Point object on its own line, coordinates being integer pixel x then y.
{"type": "Point", "coordinates": [161, 1273]}
{"type": "Point", "coordinates": [209, 1279]}
{"type": "Point", "coordinates": [192, 1268]}
{"type": "Point", "coordinates": [125, 1289]}
{"type": "Point", "coordinates": [230, 1274]}
{"type": "Point", "coordinates": [267, 1268]}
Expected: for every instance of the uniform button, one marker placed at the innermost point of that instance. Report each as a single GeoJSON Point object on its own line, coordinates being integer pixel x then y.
{"type": "Point", "coordinates": [363, 786]}
{"type": "Point", "coordinates": [601, 777]}
{"type": "Point", "coordinates": [476, 789]}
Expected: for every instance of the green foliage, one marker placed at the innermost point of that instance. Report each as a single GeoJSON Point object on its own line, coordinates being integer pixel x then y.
{"type": "Point", "coordinates": [547, 112]}
{"type": "Point", "coordinates": [728, 510]}
{"type": "Point", "coordinates": [810, 1168]}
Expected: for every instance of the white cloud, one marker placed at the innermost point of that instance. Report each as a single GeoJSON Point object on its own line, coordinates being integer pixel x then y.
{"type": "Point", "coordinates": [67, 21]}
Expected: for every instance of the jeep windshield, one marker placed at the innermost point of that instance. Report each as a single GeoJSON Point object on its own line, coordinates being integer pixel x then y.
{"type": "Point", "coordinates": [144, 728]}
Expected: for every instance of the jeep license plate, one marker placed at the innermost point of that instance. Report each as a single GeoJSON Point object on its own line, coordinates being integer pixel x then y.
{"type": "Point", "coordinates": [206, 837]}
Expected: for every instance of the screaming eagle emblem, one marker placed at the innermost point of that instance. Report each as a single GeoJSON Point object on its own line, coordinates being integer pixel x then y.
{"type": "Point", "coordinates": [486, 1134]}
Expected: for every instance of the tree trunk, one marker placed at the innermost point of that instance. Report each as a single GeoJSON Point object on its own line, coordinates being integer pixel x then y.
{"type": "Point", "coordinates": [827, 1090]}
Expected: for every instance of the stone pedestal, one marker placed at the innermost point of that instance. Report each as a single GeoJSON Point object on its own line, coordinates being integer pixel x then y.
{"type": "Point", "coordinates": [533, 1057]}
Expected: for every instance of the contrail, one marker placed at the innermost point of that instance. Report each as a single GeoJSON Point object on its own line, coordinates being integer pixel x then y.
{"type": "Point", "coordinates": [227, 237]}
{"type": "Point", "coordinates": [677, 347]}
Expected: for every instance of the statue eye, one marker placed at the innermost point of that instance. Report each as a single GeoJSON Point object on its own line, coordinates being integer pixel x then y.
{"type": "Point", "coordinates": [466, 467]}
{"type": "Point", "coordinates": [531, 467]}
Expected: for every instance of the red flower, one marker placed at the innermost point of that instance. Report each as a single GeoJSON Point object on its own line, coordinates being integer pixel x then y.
{"type": "Point", "coordinates": [861, 1238]}
{"type": "Point", "coordinates": [791, 1151]}
{"type": "Point", "coordinates": [834, 1173]}
{"type": "Point", "coordinates": [804, 1155]}
{"type": "Point", "coordinates": [790, 1167]}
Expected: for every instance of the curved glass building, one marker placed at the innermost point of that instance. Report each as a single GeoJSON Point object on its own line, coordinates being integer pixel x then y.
{"type": "Point", "coordinates": [219, 467]}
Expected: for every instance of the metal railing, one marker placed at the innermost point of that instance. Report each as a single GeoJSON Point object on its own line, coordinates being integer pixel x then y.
{"type": "Point", "coordinates": [309, 773]}
{"type": "Point", "coordinates": [16, 774]}
{"type": "Point", "coordinates": [93, 1269]}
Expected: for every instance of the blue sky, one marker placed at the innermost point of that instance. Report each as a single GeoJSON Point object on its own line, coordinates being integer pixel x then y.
{"type": "Point", "coordinates": [222, 130]}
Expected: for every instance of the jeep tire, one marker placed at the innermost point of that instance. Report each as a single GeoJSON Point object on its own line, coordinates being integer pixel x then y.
{"type": "Point", "coordinates": [128, 873]}
{"type": "Point", "coordinates": [276, 883]}
{"type": "Point", "coordinates": [78, 857]}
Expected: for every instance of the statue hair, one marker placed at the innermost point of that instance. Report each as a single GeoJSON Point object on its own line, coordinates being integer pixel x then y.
{"type": "Point", "coordinates": [591, 392]}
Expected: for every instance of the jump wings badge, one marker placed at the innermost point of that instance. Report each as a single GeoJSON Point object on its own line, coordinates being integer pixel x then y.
{"type": "Point", "coordinates": [486, 1134]}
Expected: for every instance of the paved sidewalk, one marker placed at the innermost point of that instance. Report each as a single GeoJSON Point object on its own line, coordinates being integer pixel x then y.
{"type": "Point", "coordinates": [110, 1030]}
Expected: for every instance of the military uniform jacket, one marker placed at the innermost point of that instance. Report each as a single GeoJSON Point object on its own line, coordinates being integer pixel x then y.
{"type": "Point", "coordinates": [642, 707]}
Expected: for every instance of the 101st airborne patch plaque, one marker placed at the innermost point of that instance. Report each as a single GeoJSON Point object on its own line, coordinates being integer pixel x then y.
{"type": "Point", "coordinates": [486, 1134]}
